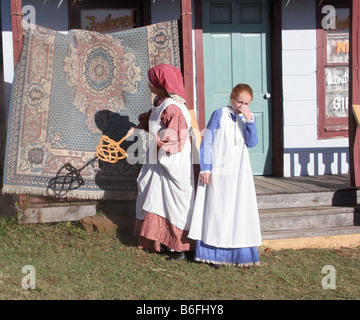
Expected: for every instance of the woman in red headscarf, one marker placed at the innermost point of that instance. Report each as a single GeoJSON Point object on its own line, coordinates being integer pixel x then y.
{"type": "Point", "coordinates": [166, 181]}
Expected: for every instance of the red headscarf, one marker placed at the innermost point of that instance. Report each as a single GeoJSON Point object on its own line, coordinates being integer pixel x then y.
{"type": "Point", "coordinates": [168, 77]}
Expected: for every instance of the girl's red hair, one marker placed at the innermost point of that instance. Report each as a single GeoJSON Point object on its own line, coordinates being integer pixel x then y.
{"type": "Point", "coordinates": [242, 87]}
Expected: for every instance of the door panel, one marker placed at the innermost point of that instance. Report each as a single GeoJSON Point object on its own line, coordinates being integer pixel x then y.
{"type": "Point", "coordinates": [237, 50]}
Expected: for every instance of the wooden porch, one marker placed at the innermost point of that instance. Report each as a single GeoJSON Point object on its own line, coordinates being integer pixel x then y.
{"type": "Point", "coordinates": [295, 212]}
{"type": "Point", "coordinates": [311, 211]}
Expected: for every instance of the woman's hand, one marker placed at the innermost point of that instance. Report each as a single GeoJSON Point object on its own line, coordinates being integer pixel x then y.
{"type": "Point", "coordinates": [131, 131]}
{"type": "Point", "coordinates": [205, 178]}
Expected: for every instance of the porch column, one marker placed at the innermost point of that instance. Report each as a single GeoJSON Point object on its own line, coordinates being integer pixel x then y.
{"type": "Point", "coordinates": [187, 64]}
{"type": "Point", "coordinates": [17, 36]}
{"type": "Point", "coordinates": [354, 92]}
{"type": "Point", "coordinates": [186, 21]}
{"type": "Point", "coordinates": [17, 31]}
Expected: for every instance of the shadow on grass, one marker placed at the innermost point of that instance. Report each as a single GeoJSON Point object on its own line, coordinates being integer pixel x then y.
{"type": "Point", "coordinates": [122, 214]}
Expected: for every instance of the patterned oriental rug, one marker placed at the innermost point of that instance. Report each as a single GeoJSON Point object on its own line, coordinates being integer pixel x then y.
{"type": "Point", "coordinates": [69, 90]}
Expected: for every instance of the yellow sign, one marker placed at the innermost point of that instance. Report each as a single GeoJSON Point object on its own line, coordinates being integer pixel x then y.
{"type": "Point", "coordinates": [342, 47]}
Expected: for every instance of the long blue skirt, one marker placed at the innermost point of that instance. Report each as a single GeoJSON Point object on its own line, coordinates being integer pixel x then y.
{"type": "Point", "coordinates": [241, 257]}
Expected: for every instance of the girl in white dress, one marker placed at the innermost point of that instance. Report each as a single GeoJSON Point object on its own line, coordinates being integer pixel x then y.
{"type": "Point", "coordinates": [225, 219]}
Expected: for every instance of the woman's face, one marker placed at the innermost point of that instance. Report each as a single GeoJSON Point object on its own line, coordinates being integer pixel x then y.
{"type": "Point", "coordinates": [241, 102]}
{"type": "Point", "coordinates": [157, 91]}
{"type": "Point", "coordinates": [151, 86]}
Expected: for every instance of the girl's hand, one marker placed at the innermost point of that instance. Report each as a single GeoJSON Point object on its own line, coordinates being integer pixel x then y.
{"type": "Point", "coordinates": [205, 178]}
{"type": "Point", "coordinates": [245, 110]}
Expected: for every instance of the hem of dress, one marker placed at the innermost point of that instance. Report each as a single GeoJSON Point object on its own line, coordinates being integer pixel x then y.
{"type": "Point", "coordinates": [239, 265]}
{"type": "Point", "coordinates": [155, 230]}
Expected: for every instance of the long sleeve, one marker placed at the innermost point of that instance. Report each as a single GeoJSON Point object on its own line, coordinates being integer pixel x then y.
{"type": "Point", "coordinates": [208, 139]}
{"type": "Point", "coordinates": [144, 121]}
{"type": "Point", "coordinates": [172, 139]}
{"type": "Point", "coordinates": [251, 137]}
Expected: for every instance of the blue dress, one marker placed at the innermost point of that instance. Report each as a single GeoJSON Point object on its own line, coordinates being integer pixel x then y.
{"type": "Point", "coordinates": [244, 256]}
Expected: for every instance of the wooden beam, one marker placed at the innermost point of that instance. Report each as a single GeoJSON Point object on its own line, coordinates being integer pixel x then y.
{"type": "Point", "coordinates": [356, 112]}
{"type": "Point", "coordinates": [199, 58]}
{"type": "Point", "coordinates": [186, 22]}
{"type": "Point", "coordinates": [354, 94]}
{"type": "Point", "coordinates": [57, 214]}
{"type": "Point", "coordinates": [277, 89]}
{"type": "Point", "coordinates": [187, 53]}
{"type": "Point", "coordinates": [17, 30]}
{"type": "Point", "coordinates": [17, 36]}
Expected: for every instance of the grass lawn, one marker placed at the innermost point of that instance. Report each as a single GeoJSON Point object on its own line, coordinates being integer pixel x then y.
{"type": "Point", "coordinates": [72, 264]}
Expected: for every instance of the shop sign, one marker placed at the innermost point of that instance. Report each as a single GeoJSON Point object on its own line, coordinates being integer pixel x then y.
{"type": "Point", "coordinates": [337, 70]}
{"type": "Point", "coordinates": [338, 48]}
{"type": "Point", "coordinates": [337, 78]}
{"type": "Point", "coordinates": [337, 104]}
{"type": "Point", "coordinates": [338, 39]}
{"type": "Point", "coordinates": [337, 84]}
{"type": "Point", "coordinates": [107, 20]}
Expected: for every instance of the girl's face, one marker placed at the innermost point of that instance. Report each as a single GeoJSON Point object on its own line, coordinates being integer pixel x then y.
{"type": "Point", "coordinates": [241, 102]}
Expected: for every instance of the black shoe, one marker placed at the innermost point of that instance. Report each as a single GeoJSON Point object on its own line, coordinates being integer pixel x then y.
{"type": "Point", "coordinates": [176, 256]}
{"type": "Point", "coordinates": [163, 248]}
{"type": "Point", "coordinates": [215, 266]}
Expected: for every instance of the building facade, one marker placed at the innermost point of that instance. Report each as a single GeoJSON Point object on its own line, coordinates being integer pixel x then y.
{"type": "Point", "coordinates": [294, 54]}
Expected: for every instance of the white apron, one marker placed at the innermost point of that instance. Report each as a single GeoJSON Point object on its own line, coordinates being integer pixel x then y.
{"type": "Point", "coordinates": [166, 182]}
{"type": "Point", "coordinates": [225, 212]}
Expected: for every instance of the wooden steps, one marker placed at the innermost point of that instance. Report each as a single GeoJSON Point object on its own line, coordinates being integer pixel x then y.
{"type": "Point", "coordinates": [310, 227]}
{"type": "Point", "coordinates": [315, 232]}
{"type": "Point", "coordinates": [318, 211]}
{"type": "Point", "coordinates": [309, 221]}
{"type": "Point", "coordinates": [308, 212]}
{"type": "Point", "coordinates": [308, 199]}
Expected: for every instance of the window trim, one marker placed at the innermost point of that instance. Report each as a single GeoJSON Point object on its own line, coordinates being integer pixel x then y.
{"type": "Point", "coordinates": [339, 126]}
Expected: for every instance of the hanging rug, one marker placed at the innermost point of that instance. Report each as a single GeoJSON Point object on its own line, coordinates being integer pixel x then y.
{"type": "Point", "coordinates": [71, 89]}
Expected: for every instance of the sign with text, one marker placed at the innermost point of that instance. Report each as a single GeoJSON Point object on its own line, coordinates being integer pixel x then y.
{"type": "Point", "coordinates": [337, 48]}
{"type": "Point", "coordinates": [337, 85]}
{"type": "Point", "coordinates": [107, 20]}
{"type": "Point", "coordinates": [333, 52]}
{"type": "Point", "coordinates": [337, 69]}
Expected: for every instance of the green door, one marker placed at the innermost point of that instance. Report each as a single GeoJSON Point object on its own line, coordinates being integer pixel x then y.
{"type": "Point", "coordinates": [236, 37]}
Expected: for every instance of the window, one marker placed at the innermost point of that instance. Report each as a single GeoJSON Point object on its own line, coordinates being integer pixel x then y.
{"type": "Point", "coordinates": [333, 48]}
{"type": "Point", "coordinates": [108, 15]}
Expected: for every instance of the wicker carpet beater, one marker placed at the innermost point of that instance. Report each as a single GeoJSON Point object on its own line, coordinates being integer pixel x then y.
{"type": "Point", "coordinates": [108, 149]}
{"type": "Point", "coordinates": [69, 178]}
